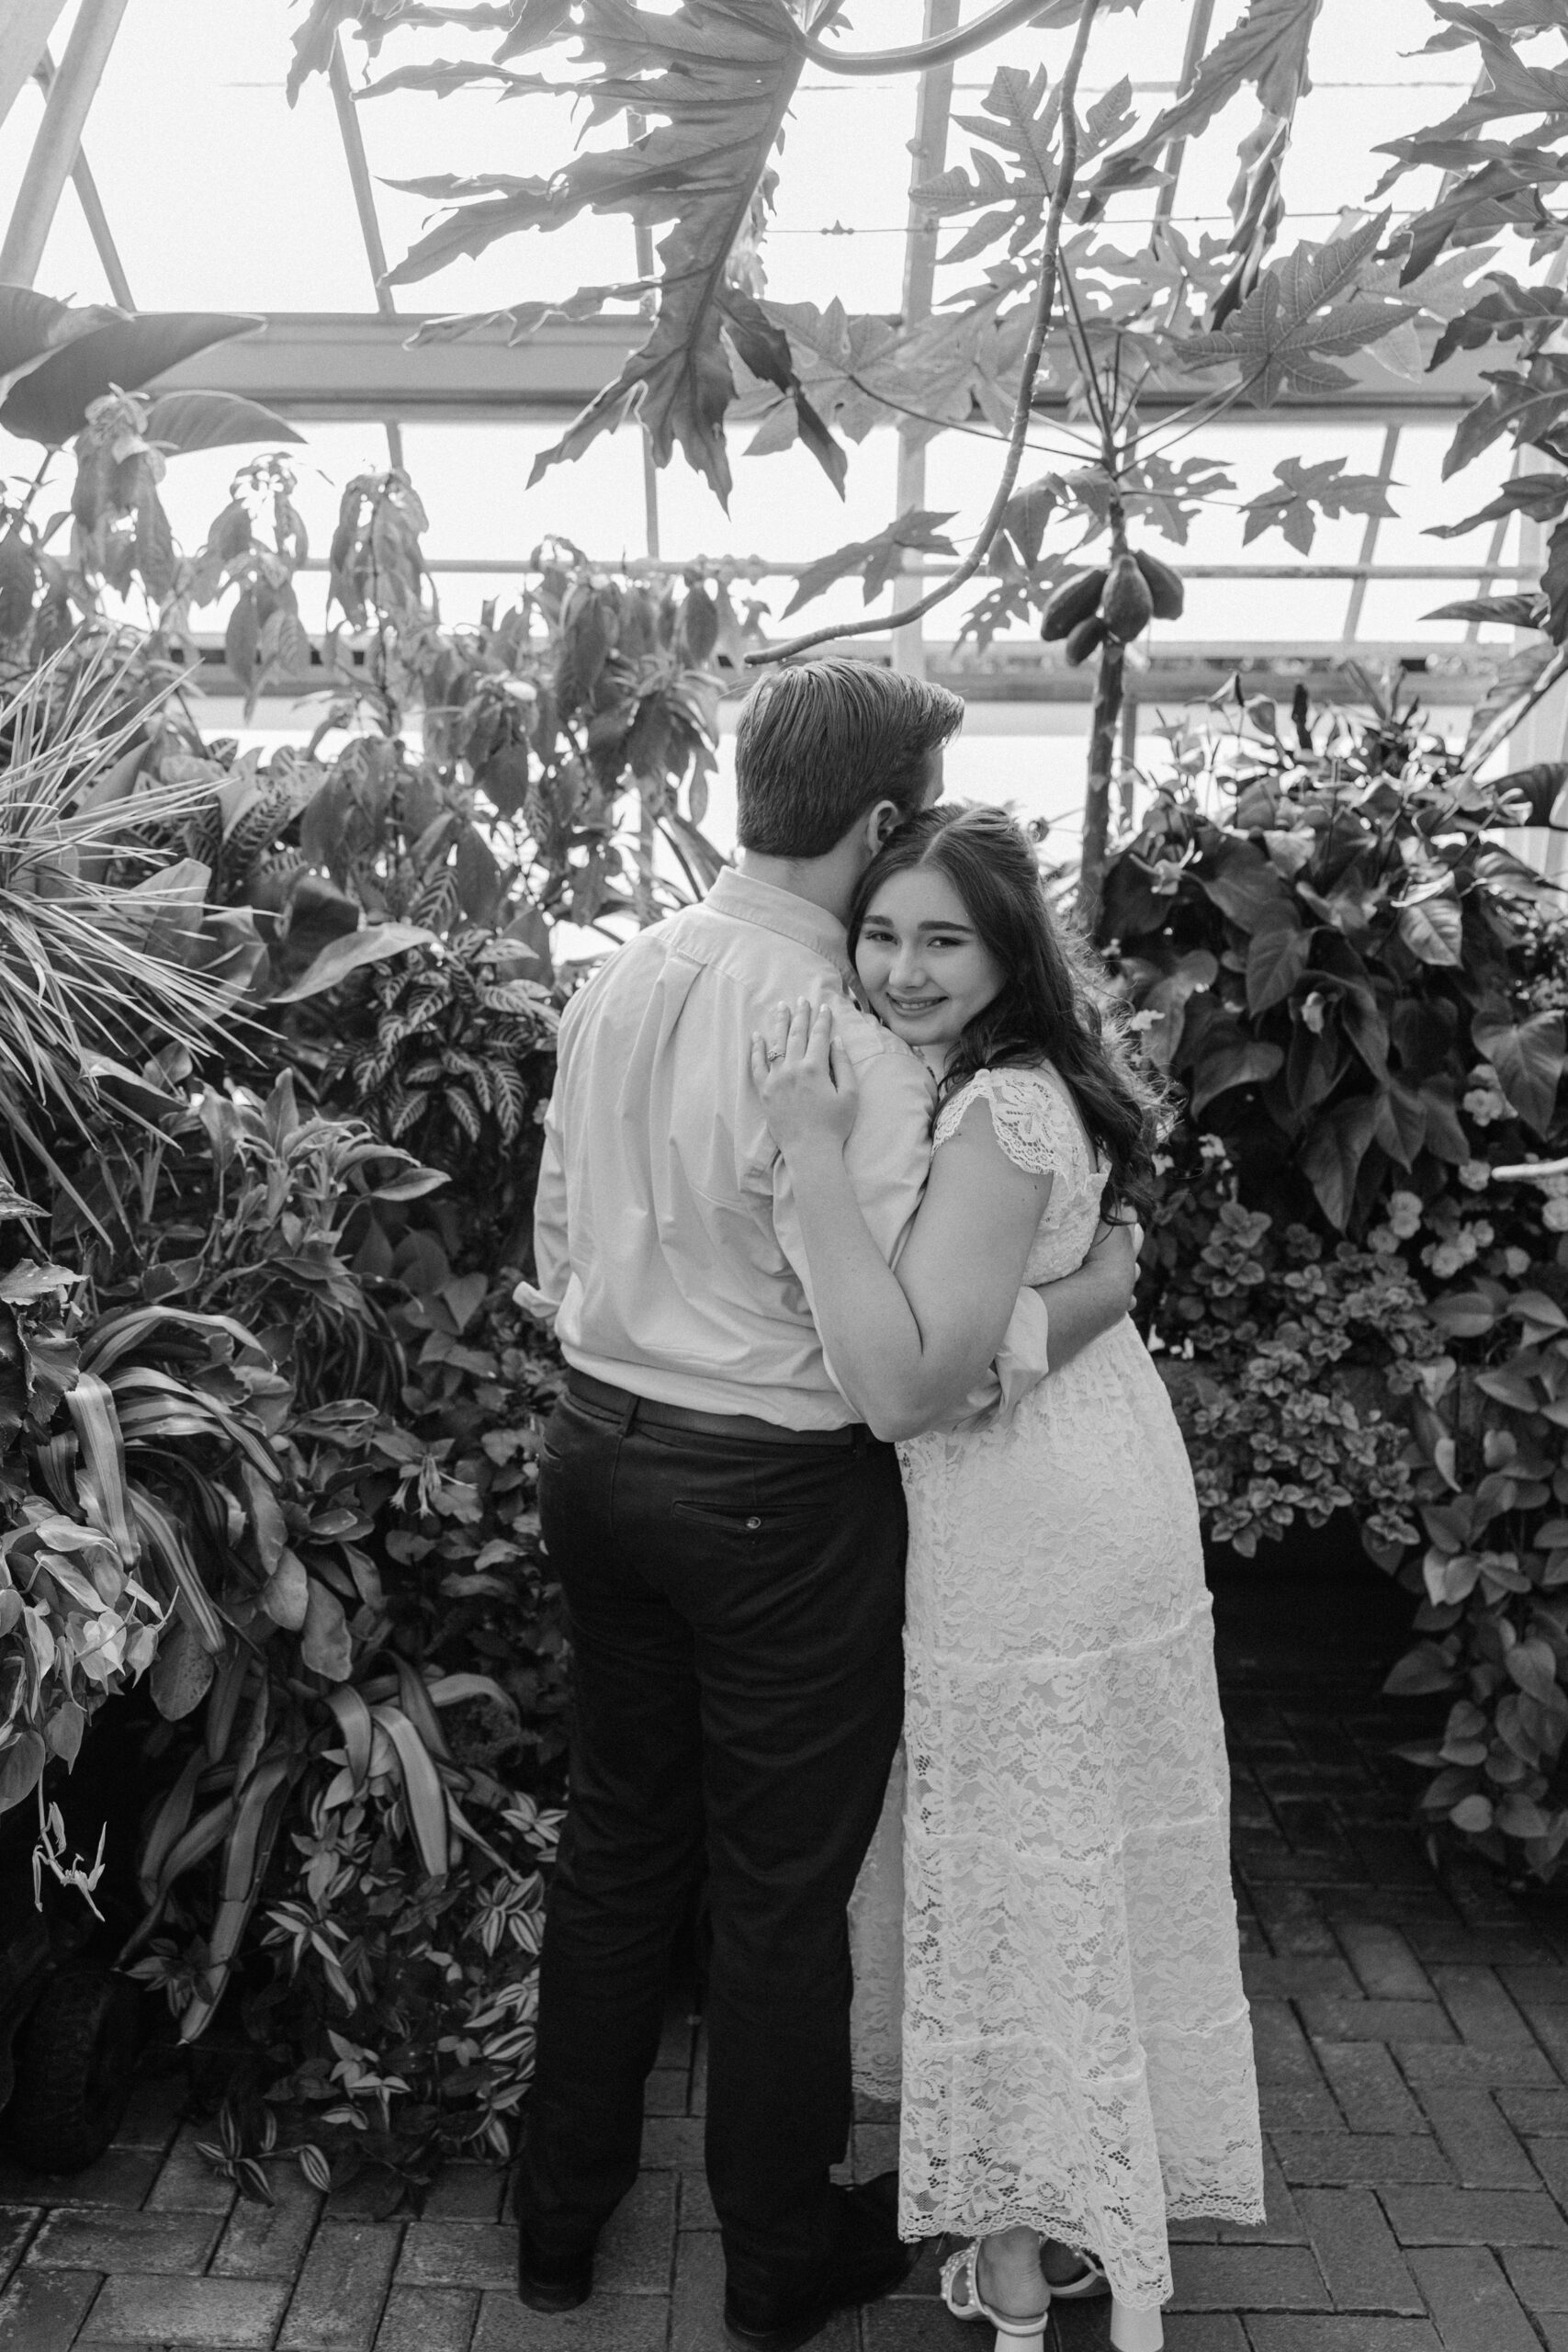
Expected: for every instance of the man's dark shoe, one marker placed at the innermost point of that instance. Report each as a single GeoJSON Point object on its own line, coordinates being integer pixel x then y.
{"type": "Point", "coordinates": [870, 2261]}
{"type": "Point", "coordinates": [553, 2285]}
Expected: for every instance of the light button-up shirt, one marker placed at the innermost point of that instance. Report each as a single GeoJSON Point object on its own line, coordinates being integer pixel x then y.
{"type": "Point", "coordinates": [666, 1232]}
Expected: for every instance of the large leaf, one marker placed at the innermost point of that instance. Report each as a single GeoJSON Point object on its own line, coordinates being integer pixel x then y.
{"type": "Point", "coordinates": [714, 77]}
{"type": "Point", "coordinates": [1527, 1056]}
{"type": "Point", "coordinates": [21, 1763]}
{"type": "Point", "coordinates": [351, 953]}
{"type": "Point", "coordinates": [1251, 1061]}
{"type": "Point", "coordinates": [186, 421]}
{"type": "Point", "coordinates": [1506, 15]}
{"type": "Point", "coordinates": [874, 561]}
{"type": "Point", "coordinates": [1400, 1121]}
{"type": "Point", "coordinates": [1504, 194]}
{"type": "Point", "coordinates": [1508, 311]}
{"type": "Point", "coordinates": [1276, 958]}
{"type": "Point", "coordinates": [1293, 324]}
{"type": "Point", "coordinates": [34, 325]}
{"type": "Point", "coordinates": [1267, 50]}
{"type": "Point", "coordinates": [1527, 404]}
{"type": "Point", "coordinates": [1332, 1159]}
{"type": "Point", "coordinates": [1433, 929]}
{"type": "Point", "coordinates": [1304, 489]}
{"type": "Point", "coordinates": [49, 403]}
{"type": "Point", "coordinates": [1541, 497]}
{"type": "Point", "coordinates": [325, 1643]}
{"type": "Point", "coordinates": [1245, 885]}
{"type": "Point", "coordinates": [422, 1787]}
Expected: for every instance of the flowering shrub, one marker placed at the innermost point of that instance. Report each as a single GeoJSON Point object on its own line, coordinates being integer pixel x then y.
{"type": "Point", "coordinates": [1279, 1352]}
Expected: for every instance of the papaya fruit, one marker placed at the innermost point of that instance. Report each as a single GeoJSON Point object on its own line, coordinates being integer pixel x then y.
{"type": "Point", "coordinates": [1127, 605]}
{"type": "Point", "coordinates": [1086, 638]}
{"type": "Point", "coordinates": [1073, 601]}
{"type": "Point", "coordinates": [1165, 586]}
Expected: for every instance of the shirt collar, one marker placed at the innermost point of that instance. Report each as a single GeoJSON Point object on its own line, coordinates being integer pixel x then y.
{"type": "Point", "coordinates": [745, 900]}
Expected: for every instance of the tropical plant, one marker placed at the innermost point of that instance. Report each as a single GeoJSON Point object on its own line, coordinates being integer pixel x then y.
{"type": "Point", "coordinates": [1362, 996]}
{"type": "Point", "coordinates": [336, 1823]}
{"type": "Point", "coordinates": [76, 374]}
{"type": "Point", "coordinates": [1202, 325]}
{"type": "Point", "coordinates": [1491, 185]}
{"type": "Point", "coordinates": [132, 1441]}
{"type": "Point", "coordinates": [106, 954]}
{"type": "Point", "coordinates": [1288, 1357]}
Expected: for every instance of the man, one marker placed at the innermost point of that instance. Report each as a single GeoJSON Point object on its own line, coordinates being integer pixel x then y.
{"type": "Point", "coordinates": [729, 1544]}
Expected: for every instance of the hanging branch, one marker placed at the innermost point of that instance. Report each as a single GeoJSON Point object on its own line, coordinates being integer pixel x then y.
{"type": "Point", "coordinates": [920, 54]}
{"type": "Point", "coordinates": [1510, 715]}
{"type": "Point", "coordinates": [1045, 301]}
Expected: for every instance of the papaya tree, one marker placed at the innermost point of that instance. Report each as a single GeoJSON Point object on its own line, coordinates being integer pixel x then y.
{"type": "Point", "coordinates": [1208, 323]}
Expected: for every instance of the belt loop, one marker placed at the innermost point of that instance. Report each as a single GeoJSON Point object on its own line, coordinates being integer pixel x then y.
{"type": "Point", "coordinates": [630, 1413]}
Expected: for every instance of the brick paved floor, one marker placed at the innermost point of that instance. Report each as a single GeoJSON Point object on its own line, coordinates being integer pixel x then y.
{"type": "Point", "coordinates": [1413, 2045]}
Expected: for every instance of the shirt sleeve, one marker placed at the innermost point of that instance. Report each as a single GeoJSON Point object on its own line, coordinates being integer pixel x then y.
{"type": "Point", "coordinates": [888, 1155]}
{"type": "Point", "coordinates": [552, 1261]}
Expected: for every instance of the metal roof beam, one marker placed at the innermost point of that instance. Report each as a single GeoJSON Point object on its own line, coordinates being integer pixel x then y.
{"type": "Point", "coordinates": [25, 26]}
{"type": "Point", "coordinates": [319, 365]}
{"type": "Point", "coordinates": [1020, 672]}
{"type": "Point", "coordinates": [59, 140]}
{"type": "Point", "coordinates": [93, 211]}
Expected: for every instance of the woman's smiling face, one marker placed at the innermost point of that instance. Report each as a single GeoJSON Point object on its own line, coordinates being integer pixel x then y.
{"type": "Point", "coordinates": [924, 967]}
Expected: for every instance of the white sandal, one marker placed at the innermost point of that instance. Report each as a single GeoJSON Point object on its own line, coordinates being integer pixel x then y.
{"type": "Point", "coordinates": [1091, 2280]}
{"type": "Point", "coordinates": [961, 2270]}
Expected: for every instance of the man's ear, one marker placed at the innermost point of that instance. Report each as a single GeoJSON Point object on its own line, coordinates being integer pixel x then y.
{"type": "Point", "coordinates": [883, 820]}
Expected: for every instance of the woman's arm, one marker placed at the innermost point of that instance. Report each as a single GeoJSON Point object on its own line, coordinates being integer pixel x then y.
{"type": "Point", "coordinates": [905, 1349]}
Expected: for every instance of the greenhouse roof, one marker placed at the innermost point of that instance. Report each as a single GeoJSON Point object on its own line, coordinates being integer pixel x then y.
{"type": "Point", "coordinates": [199, 185]}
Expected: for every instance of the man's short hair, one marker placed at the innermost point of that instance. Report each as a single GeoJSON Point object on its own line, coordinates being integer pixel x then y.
{"type": "Point", "coordinates": [821, 742]}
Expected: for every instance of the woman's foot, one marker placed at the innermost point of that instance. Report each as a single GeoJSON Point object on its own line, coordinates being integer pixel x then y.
{"type": "Point", "coordinates": [1008, 2275]}
{"type": "Point", "coordinates": [1013, 2298]}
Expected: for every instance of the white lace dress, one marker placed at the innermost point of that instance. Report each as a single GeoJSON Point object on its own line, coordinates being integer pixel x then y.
{"type": "Point", "coordinates": [1066, 2030]}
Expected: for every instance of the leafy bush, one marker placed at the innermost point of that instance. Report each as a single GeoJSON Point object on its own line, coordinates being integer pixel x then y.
{"type": "Point", "coordinates": [1361, 993]}
{"type": "Point", "coordinates": [1282, 1352]}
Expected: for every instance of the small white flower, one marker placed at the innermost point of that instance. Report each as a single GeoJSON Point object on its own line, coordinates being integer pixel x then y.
{"type": "Point", "coordinates": [1554, 1215]}
{"type": "Point", "coordinates": [1516, 1262]}
{"type": "Point", "coordinates": [1475, 1175]}
{"type": "Point", "coordinates": [1404, 1214]}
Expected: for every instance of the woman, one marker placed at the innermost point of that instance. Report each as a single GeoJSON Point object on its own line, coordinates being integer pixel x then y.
{"type": "Point", "coordinates": [1077, 2058]}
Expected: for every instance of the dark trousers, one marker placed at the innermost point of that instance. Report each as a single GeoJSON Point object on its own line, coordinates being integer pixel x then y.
{"type": "Point", "coordinates": [735, 1610]}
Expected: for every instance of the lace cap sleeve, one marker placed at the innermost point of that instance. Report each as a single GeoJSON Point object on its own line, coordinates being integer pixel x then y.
{"type": "Point", "coordinates": [1030, 1119]}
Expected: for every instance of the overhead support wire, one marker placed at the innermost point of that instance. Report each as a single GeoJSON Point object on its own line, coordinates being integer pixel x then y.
{"type": "Point", "coordinates": [365, 205]}
{"type": "Point", "coordinates": [93, 211]}
{"type": "Point", "coordinates": [58, 138]}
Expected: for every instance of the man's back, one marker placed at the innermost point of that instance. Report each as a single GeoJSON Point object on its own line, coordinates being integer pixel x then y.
{"type": "Point", "coordinates": [664, 1225]}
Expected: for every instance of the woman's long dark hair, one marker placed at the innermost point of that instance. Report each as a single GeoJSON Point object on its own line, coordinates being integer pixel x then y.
{"type": "Point", "coordinates": [1053, 1005]}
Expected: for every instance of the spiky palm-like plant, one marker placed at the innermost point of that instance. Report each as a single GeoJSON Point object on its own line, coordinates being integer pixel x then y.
{"type": "Point", "coordinates": [97, 971]}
